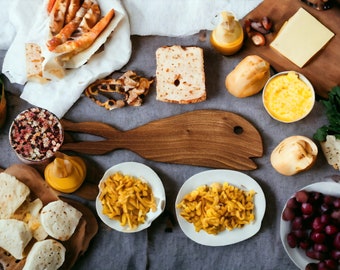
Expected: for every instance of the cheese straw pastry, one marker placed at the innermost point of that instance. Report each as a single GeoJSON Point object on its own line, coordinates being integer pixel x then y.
{"type": "Point", "coordinates": [72, 47]}
{"type": "Point", "coordinates": [66, 32]}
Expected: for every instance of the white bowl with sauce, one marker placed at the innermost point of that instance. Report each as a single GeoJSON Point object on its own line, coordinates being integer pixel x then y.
{"type": "Point", "coordinates": [288, 96]}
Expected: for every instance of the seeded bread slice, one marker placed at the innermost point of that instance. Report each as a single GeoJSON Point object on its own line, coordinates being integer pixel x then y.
{"type": "Point", "coordinates": [180, 74]}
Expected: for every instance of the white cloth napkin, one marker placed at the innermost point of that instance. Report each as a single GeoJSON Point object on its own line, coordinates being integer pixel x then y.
{"type": "Point", "coordinates": [58, 96]}
{"type": "Point", "coordinates": [147, 17]}
{"type": "Point", "coordinates": [181, 17]}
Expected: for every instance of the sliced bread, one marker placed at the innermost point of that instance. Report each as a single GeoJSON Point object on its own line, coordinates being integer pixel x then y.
{"type": "Point", "coordinates": [180, 74]}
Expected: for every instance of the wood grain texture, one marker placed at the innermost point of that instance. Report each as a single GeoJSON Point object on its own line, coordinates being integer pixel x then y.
{"type": "Point", "coordinates": [209, 138]}
{"type": "Point", "coordinates": [86, 229]}
{"type": "Point", "coordinates": [323, 70]}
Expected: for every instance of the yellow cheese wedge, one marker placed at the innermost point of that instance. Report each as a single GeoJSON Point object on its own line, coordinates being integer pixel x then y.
{"type": "Point", "coordinates": [301, 37]}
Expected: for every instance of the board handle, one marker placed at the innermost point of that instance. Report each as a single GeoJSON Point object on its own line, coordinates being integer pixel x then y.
{"type": "Point", "coordinates": [101, 146]}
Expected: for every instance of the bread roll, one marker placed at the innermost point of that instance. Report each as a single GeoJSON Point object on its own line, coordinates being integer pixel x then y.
{"type": "Point", "coordinates": [293, 155]}
{"type": "Point", "coordinates": [249, 77]}
{"type": "Point", "coordinates": [180, 74]}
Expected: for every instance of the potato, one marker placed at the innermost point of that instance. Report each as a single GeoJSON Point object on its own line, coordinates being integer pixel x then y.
{"type": "Point", "coordinates": [248, 77]}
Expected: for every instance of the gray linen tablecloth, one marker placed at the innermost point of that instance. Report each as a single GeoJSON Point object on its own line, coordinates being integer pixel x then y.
{"type": "Point", "coordinates": [156, 247]}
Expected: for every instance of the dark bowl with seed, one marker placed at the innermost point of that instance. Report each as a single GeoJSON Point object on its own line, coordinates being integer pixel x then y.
{"type": "Point", "coordinates": [36, 135]}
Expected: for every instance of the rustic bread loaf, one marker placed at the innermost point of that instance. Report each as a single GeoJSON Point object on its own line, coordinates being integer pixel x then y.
{"type": "Point", "coordinates": [180, 74]}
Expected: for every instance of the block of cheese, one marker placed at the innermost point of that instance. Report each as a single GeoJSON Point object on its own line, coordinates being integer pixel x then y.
{"type": "Point", "coordinates": [301, 37]}
{"type": "Point", "coordinates": [180, 74]}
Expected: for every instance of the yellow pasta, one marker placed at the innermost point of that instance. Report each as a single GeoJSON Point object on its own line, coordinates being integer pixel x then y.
{"type": "Point", "coordinates": [218, 207]}
{"type": "Point", "coordinates": [127, 199]}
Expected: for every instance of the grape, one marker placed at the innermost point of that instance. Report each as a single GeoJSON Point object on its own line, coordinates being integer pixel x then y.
{"type": "Point", "coordinates": [292, 240]}
{"type": "Point", "coordinates": [312, 266]}
{"type": "Point", "coordinates": [328, 199]}
{"type": "Point", "coordinates": [302, 196]}
{"type": "Point", "coordinates": [331, 264]}
{"type": "Point", "coordinates": [325, 218]}
{"type": "Point", "coordinates": [317, 237]}
{"type": "Point", "coordinates": [297, 223]}
{"type": "Point", "coordinates": [316, 255]}
{"type": "Point", "coordinates": [336, 203]}
{"type": "Point", "coordinates": [315, 227]}
{"type": "Point", "coordinates": [336, 241]}
{"type": "Point", "coordinates": [307, 208]}
{"type": "Point", "coordinates": [335, 254]}
{"type": "Point", "coordinates": [320, 247]}
{"type": "Point", "coordinates": [331, 229]}
{"type": "Point", "coordinates": [288, 214]}
{"type": "Point", "coordinates": [317, 224]}
{"type": "Point", "coordinates": [292, 203]}
{"type": "Point", "coordinates": [336, 215]}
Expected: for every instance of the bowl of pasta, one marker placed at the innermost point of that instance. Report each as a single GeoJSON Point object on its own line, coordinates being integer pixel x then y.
{"type": "Point", "coordinates": [131, 196]}
{"type": "Point", "coordinates": [220, 207]}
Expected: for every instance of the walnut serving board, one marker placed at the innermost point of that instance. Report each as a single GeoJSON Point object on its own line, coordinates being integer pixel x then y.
{"type": "Point", "coordinates": [209, 138]}
{"type": "Point", "coordinates": [323, 70]}
{"type": "Point", "coordinates": [87, 228]}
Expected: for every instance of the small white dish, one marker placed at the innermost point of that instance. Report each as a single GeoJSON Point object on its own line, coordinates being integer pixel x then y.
{"type": "Point", "coordinates": [146, 174]}
{"type": "Point", "coordinates": [298, 255]}
{"type": "Point", "coordinates": [237, 179]}
{"type": "Point", "coordinates": [280, 102]}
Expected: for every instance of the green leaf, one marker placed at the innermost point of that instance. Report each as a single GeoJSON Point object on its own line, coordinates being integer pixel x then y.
{"type": "Point", "coordinates": [332, 106]}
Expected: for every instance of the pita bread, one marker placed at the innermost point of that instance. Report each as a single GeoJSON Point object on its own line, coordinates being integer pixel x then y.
{"type": "Point", "coordinates": [29, 212]}
{"type": "Point", "coordinates": [47, 254]}
{"type": "Point", "coordinates": [12, 194]}
{"type": "Point", "coordinates": [34, 62]}
{"type": "Point", "coordinates": [14, 237]}
{"type": "Point", "coordinates": [180, 74]}
{"type": "Point", "coordinates": [60, 219]}
{"type": "Point", "coordinates": [331, 150]}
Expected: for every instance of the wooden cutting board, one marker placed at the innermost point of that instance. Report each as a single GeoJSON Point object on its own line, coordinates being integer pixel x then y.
{"type": "Point", "coordinates": [80, 240]}
{"type": "Point", "coordinates": [209, 138]}
{"type": "Point", "coordinates": [324, 69]}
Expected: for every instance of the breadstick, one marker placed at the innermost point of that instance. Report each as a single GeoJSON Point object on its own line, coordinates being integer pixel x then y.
{"type": "Point", "coordinates": [72, 47]}
{"type": "Point", "coordinates": [72, 10]}
{"type": "Point", "coordinates": [69, 28]}
{"type": "Point", "coordinates": [57, 15]}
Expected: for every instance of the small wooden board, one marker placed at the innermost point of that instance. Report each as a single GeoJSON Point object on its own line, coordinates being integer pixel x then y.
{"type": "Point", "coordinates": [323, 70]}
{"type": "Point", "coordinates": [80, 240]}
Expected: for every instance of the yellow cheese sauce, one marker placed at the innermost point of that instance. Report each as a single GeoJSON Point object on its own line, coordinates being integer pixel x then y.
{"type": "Point", "coordinates": [287, 98]}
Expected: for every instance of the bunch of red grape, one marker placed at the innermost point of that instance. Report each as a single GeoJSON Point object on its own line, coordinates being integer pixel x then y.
{"type": "Point", "coordinates": [315, 227]}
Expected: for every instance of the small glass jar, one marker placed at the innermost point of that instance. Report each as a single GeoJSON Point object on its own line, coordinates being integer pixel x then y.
{"type": "Point", "coordinates": [227, 38]}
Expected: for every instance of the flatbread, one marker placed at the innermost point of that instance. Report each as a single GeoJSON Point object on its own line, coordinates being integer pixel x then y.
{"type": "Point", "coordinates": [14, 237]}
{"type": "Point", "coordinates": [34, 61]}
{"type": "Point", "coordinates": [331, 150]}
{"type": "Point", "coordinates": [60, 219]}
{"type": "Point", "coordinates": [48, 255]}
{"type": "Point", "coordinates": [12, 194]}
{"type": "Point", "coordinates": [180, 74]}
{"type": "Point", "coordinates": [29, 212]}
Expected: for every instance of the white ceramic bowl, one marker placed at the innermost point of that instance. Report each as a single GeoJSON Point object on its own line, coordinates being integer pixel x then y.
{"type": "Point", "coordinates": [145, 173]}
{"type": "Point", "coordinates": [237, 179]}
{"type": "Point", "coordinates": [285, 102]}
{"type": "Point", "coordinates": [298, 255]}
